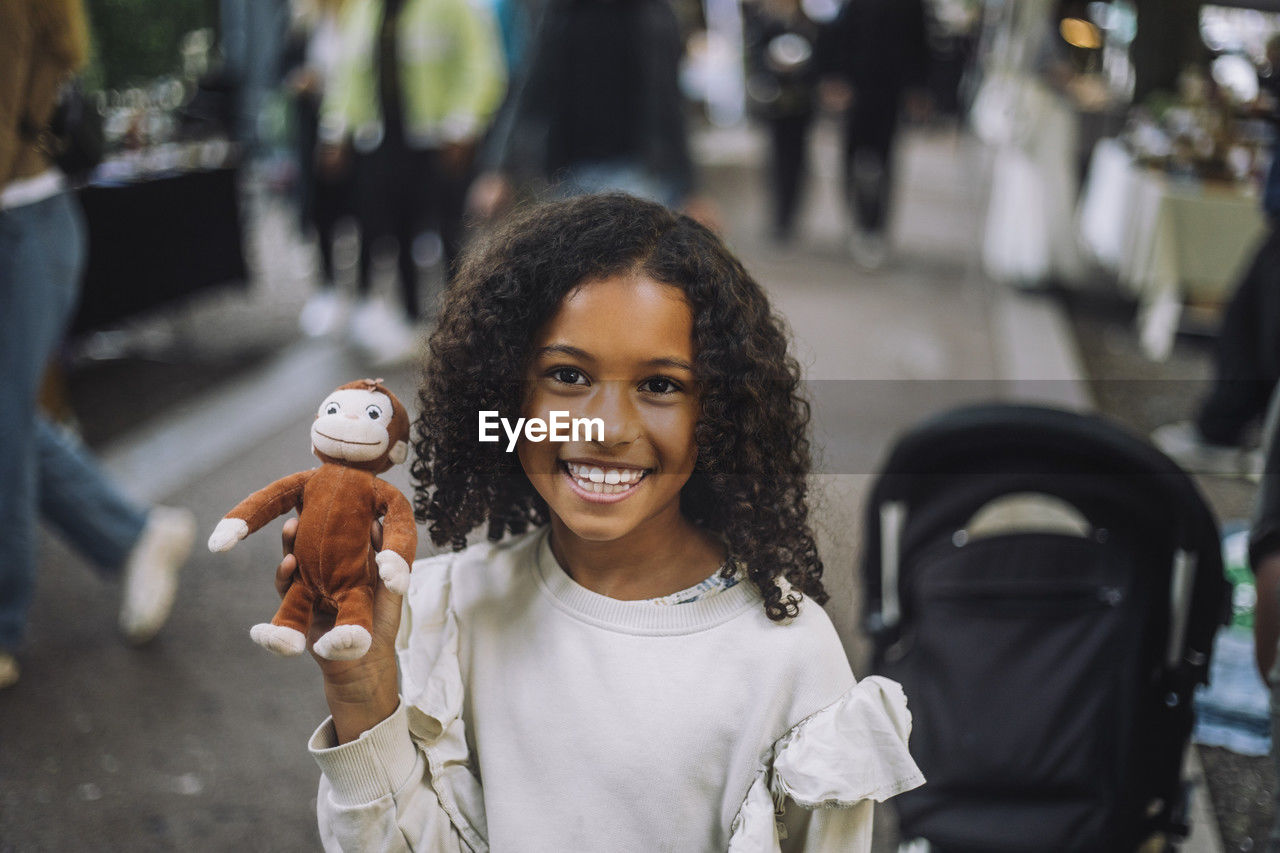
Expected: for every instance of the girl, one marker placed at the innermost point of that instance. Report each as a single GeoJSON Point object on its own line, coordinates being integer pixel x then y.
{"type": "Point", "coordinates": [637, 659]}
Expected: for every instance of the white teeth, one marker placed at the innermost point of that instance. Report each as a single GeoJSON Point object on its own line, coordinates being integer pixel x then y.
{"type": "Point", "coordinates": [606, 481]}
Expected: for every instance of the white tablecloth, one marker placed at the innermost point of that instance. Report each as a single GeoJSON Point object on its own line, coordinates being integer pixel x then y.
{"type": "Point", "coordinates": [1168, 241]}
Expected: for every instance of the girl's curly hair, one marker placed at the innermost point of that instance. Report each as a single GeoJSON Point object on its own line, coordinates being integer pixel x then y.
{"type": "Point", "coordinates": [750, 481]}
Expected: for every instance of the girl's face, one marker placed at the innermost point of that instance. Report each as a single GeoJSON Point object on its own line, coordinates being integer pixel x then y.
{"type": "Point", "coordinates": [619, 349]}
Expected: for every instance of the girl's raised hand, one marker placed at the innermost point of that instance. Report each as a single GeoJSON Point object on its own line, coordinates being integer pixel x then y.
{"type": "Point", "coordinates": [363, 692]}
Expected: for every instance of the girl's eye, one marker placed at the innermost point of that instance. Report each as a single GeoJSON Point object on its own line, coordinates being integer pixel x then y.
{"type": "Point", "coordinates": [659, 385]}
{"type": "Point", "coordinates": [569, 376]}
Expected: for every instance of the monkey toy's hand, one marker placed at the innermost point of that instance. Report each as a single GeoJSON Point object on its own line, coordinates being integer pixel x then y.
{"type": "Point", "coordinates": [228, 532]}
{"type": "Point", "coordinates": [394, 571]}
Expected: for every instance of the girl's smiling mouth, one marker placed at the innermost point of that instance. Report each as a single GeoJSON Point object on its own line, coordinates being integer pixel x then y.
{"type": "Point", "coordinates": [600, 483]}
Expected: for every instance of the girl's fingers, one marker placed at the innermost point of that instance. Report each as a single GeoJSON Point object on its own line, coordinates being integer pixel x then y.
{"type": "Point", "coordinates": [284, 573]}
{"type": "Point", "coordinates": [289, 564]}
{"type": "Point", "coordinates": [288, 534]}
{"type": "Point", "coordinates": [386, 612]}
{"type": "Point", "coordinates": [386, 604]}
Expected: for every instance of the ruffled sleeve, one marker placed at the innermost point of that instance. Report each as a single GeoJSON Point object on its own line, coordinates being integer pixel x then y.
{"type": "Point", "coordinates": [755, 829]}
{"type": "Point", "coordinates": [854, 749]}
{"type": "Point", "coordinates": [432, 687]}
{"type": "Point", "coordinates": [833, 764]}
{"type": "Point", "coordinates": [431, 677]}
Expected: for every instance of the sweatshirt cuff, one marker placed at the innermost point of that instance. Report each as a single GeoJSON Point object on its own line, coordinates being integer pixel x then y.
{"type": "Point", "coordinates": [372, 766]}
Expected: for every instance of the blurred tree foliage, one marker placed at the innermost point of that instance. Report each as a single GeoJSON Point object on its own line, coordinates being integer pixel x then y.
{"type": "Point", "coordinates": [137, 40]}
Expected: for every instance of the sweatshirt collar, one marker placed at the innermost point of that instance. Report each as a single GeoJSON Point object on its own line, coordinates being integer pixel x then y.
{"type": "Point", "coordinates": [637, 617]}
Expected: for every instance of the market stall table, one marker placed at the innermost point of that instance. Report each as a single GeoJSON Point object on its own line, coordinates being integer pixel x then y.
{"type": "Point", "coordinates": [1169, 241]}
{"type": "Point", "coordinates": [157, 240]}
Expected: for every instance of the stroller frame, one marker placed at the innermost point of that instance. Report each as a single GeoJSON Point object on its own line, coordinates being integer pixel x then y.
{"type": "Point", "coordinates": [1153, 555]}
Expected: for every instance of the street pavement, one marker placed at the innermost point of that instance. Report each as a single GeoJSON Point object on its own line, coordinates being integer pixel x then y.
{"type": "Point", "coordinates": [197, 741]}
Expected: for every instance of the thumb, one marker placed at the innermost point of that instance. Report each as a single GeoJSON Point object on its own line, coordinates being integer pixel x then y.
{"type": "Point", "coordinates": [387, 607]}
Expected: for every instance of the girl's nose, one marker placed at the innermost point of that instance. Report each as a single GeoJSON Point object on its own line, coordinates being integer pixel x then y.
{"type": "Point", "coordinates": [614, 406]}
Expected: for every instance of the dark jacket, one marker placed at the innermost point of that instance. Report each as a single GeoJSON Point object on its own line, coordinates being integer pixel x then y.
{"type": "Point", "coordinates": [627, 70]}
{"type": "Point", "coordinates": [880, 47]}
{"type": "Point", "coordinates": [781, 53]}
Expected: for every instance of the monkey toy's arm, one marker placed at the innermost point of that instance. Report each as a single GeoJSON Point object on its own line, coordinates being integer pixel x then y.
{"type": "Point", "coordinates": [399, 536]}
{"type": "Point", "coordinates": [252, 513]}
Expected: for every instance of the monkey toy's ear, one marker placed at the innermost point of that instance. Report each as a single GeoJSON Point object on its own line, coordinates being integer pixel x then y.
{"type": "Point", "coordinates": [398, 453]}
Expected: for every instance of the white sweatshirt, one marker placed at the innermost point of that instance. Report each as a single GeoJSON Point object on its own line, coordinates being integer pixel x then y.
{"type": "Point", "coordinates": [540, 716]}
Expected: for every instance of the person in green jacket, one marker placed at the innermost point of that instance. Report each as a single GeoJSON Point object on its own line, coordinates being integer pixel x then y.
{"type": "Point", "coordinates": [416, 85]}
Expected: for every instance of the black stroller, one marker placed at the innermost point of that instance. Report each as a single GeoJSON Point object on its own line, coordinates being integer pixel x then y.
{"type": "Point", "coordinates": [1046, 587]}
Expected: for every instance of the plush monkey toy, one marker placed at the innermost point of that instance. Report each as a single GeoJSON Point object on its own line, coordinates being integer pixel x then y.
{"type": "Point", "coordinates": [360, 431]}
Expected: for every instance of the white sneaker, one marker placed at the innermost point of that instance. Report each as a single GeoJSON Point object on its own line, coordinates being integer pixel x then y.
{"type": "Point", "coordinates": [1182, 442]}
{"type": "Point", "coordinates": [8, 670]}
{"type": "Point", "coordinates": [323, 313]}
{"type": "Point", "coordinates": [870, 251]}
{"type": "Point", "coordinates": [383, 333]}
{"type": "Point", "coordinates": [151, 572]}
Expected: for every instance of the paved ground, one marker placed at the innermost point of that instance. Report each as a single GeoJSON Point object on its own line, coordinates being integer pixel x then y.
{"type": "Point", "coordinates": [197, 741]}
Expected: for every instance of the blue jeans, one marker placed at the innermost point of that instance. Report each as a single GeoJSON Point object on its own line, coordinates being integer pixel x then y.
{"type": "Point", "coordinates": [44, 471]}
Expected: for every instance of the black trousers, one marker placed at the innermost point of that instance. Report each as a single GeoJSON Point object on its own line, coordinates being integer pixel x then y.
{"type": "Point", "coordinates": [403, 192]}
{"type": "Point", "coordinates": [870, 129]}
{"type": "Point", "coordinates": [788, 167]}
{"type": "Point", "coordinates": [323, 200]}
{"type": "Point", "coordinates": [1247, 361]}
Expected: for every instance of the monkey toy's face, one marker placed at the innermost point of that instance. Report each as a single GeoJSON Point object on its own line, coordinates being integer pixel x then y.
{"type": "Point", "coordinates": [353, 424]}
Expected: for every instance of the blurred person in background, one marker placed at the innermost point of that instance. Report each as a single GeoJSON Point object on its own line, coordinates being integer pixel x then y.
{"type": "Point", "coordinates": [1022, 109]}
{"type": "Point", "coordinates": [517, 20]}
{"type": "Point", "coordinates": [416, 85]}
{"type": "Point", "coordinates": [874, 58]}
{"type": "Point", "coordinates": [1264, 562]}
{"type": "Point", "coordinates": [782, 74]}
{"type": "Point", "coordinates": [324, 197]}
{"type": "Point", "coordinates": [598, 108]}
{"type": "Point", "coordinates": [1247, 357]}
{"type": "Point", "coordinates": [44, 470]}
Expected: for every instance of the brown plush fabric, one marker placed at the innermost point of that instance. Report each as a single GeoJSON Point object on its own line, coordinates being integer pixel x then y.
{"type": "Point", "coordinates": [337, 504]}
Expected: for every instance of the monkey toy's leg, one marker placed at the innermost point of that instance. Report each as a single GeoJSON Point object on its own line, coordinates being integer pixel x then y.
{"type": "Point", "coordinates": [352, 633]}
{"type": "Point", "coordinates": [287, 632]}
